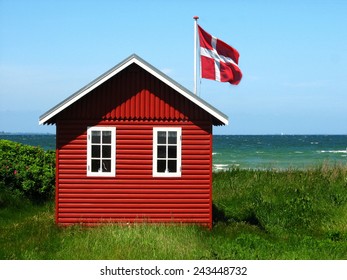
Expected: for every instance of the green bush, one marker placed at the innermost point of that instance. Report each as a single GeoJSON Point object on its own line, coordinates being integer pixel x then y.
{"type": "Point", "coordinates": [26, 170]}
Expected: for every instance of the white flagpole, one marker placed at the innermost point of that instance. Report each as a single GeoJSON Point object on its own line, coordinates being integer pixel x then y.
{"type": "Point", "coordinates": [195, 55]}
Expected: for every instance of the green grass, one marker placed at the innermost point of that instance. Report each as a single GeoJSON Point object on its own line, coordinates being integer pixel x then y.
{"type": "Point", "coordinates": [291, 214]}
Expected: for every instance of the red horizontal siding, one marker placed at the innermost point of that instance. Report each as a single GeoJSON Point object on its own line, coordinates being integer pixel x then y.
{"type": "Point", "coordinates": [80, 191]}
{"type": "Point", "coordinates": [133, 195]}
{"type": "Point", "coordinates": [111, 197]}
{"type": "Point", "coordinates": [108, 218]}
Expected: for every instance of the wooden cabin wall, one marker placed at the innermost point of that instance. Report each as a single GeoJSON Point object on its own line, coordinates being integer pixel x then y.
{"type": "Point", "coordinates": [134, 195]}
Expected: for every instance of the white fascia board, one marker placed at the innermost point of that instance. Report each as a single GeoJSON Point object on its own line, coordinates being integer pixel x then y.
{"type": "Point", "coordinates": [83, 91]}
{"type": "Point", "coordinates": [185, 92]}
{"type": "Point", "coordinates": [118, 68]}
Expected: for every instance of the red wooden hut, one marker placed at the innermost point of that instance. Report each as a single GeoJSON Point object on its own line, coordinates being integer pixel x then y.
{"type": "Point", "coordinates": [132, 146]}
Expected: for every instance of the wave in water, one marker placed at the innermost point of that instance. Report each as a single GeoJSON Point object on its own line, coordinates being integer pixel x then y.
{"type": "Point", "coordinates": [334, 152]}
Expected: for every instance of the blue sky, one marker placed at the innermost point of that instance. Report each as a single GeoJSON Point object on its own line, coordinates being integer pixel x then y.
{"type": "Point", "coordinates": [293, 55]}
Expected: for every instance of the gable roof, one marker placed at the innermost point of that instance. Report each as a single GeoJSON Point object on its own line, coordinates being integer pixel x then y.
{"type": "Point", "coordinates": [44, 118]}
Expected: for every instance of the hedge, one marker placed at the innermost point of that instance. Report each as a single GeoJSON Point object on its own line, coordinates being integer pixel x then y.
{"type": "Point", "coordinates": [27, 170]}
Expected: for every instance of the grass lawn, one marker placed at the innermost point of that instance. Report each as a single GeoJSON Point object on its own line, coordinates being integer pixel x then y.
{"type": "Point", "coordinates": [268, 215]}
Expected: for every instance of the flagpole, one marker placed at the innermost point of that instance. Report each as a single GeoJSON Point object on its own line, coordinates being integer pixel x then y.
{"type": "Point", "coordinates": [195, 55]}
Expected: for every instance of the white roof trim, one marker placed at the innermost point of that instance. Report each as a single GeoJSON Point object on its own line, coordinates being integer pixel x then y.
{"type": "Point", "coordinates": [118, 68]}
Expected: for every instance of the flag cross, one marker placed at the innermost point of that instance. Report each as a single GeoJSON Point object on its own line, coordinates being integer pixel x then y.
{"type": "Point", "coordinates": [213, 54]}
{"type": "Point", "coordinates": [218, 60]}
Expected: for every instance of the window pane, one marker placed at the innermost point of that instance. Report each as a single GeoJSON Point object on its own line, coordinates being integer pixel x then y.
{"type": "Point", "coordinates": [106, 151]}
{"type": "Point", "coordinates": [95, 136]}
{"type": "Point", "coordinates": [161, 166]}
{"type": "Point", "coordinates": [106, 137]}
{"type": "Point", "coordinates": [172, 165]}
{"type": "Point", "coordinates": [172, 137]}
{"type": "Point", "coordinates": [172, 151]}
{"type": "Point", "coordinates": [161, 151]}
{"type": "Point", "coordinates": [161, 137]}
{"type": "Point", "coordinates": [95, 151]}
{"type": "Point", "coordinates": [101, 151]}
{"type": "Point", "coordinates": [95, 165]}
{"type": "Point", "coordinates": [106, 166]}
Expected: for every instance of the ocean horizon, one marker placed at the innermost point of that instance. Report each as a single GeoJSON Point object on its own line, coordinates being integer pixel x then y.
{"type": "Point", "coordinates": [271, 151]}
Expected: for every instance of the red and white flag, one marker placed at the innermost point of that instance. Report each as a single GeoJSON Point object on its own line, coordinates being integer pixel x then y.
{"type": "Point", "coordinates": [219, 61]}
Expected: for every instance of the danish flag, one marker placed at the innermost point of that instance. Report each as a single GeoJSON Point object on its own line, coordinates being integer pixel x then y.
{"type": "Point", "coordinates": [219, 61]}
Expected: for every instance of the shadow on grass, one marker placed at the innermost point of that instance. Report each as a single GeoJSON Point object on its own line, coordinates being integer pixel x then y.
{"type": "Point", "coordinates": [219, 216]}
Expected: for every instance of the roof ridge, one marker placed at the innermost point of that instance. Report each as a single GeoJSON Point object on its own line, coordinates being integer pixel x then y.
{"type": "Point", "coordinates": [134, 58]}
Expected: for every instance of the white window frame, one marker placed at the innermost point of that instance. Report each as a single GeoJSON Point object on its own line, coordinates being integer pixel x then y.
{"type": "Point", "coordinates": [101, 173]}
{"type": "Point", "coordinates": [178, 156]}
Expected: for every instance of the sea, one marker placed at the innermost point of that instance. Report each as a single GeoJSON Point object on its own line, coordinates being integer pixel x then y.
{"type": "Point", "coordinates": [250, 151]}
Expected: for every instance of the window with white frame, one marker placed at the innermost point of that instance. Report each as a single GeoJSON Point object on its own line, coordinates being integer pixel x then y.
{"type": "Point", "coordinates": [167, 151]}
{"type": "Point", "coordinates": [101, 151]}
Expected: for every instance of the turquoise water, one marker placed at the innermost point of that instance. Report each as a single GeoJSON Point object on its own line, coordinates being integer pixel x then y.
{"type": "Point", "coordinates": [278, 151]}
{"type": "Point", "coordinates": [256, 151]}
{"type": "Point", "coordinates": [46, 141]}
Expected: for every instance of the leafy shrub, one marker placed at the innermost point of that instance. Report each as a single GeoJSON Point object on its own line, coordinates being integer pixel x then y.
{"type": "Point", "coordinates": [27, 170]}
